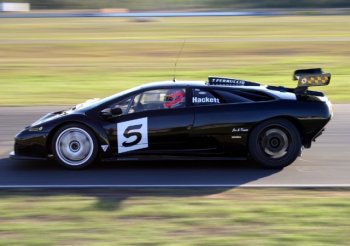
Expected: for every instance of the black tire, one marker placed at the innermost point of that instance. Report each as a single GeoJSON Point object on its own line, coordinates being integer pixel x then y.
{"type": "Point", "coordinates": [275, 143]}
{"type": "Point", "coordinates": [74, 146]}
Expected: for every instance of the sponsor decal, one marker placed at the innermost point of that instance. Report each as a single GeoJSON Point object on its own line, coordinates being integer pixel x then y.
{"type": "Point", "coordinates": [205, 100]}
{"type": "Point", "coordinates": [240, 129]}
{"type": "Point", "coordinates": [227, 81]}
{"type": "Point", "coordinates": [104, 147]}
{"type": "Point", "coordinates": [132, 135]}
{"type": "Point", "coordinates": [315, 80]}
{"type": "Point", "coordinates": [236, 137]}
{"type": "Point", "coordinates": [304, 81]}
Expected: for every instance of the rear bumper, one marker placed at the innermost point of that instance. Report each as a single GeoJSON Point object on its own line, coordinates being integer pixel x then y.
{"type": "Point", "coordinates": [13, 156]}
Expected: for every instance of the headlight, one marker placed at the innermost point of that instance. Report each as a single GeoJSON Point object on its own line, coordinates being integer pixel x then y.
{"type": "Point", "coordinates": [35, 128]}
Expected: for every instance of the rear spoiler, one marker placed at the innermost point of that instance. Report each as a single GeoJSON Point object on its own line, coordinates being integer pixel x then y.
{"type": "Point", "coordinates": [311, 77]}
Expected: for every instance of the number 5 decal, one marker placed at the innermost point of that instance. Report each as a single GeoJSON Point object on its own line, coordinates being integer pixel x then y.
{"type": "Point", "coordinates": [132, 135]}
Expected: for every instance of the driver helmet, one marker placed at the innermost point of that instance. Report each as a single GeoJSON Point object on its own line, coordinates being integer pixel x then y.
{"type": "Point", "coordinates": [174, 98]}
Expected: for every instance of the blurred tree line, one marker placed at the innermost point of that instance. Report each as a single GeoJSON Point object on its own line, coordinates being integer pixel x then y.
{"type": "Point", "coordinates": [182, 4]}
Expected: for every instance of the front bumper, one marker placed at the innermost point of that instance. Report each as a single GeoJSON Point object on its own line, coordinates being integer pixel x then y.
{"type": "Point", "coordinates": [13, 156]}
{"type": "Point", "coordinates": [30, 145]}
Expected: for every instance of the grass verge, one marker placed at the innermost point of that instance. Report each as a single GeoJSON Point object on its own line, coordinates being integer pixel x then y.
{"type": "Point", "coordinates": [176, 217]}
{"type": "Point", "coordinates": [64, 61]}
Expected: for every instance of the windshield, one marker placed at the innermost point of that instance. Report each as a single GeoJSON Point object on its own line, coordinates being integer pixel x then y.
{"type": "Point", "coordinates": [95, 102]}
{"type": "Point", "coordinates": [86, 103]}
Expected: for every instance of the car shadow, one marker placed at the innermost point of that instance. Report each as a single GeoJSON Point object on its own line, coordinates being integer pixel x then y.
{"type": "Point", "coordinates": [111, 183]}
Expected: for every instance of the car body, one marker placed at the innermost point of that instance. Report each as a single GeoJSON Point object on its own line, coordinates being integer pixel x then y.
{"type": "Point", "coordinates": [219, 119]}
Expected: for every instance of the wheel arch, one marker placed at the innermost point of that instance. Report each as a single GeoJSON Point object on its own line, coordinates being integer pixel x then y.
{"type": "Point", "coordinates": [256, 152]}
{"type": "Point", "coordinates": [291, 119]}
{"type": "Point", "coordinates": [100, 139]}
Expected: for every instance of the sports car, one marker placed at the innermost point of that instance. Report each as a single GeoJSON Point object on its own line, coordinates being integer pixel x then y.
{"type": "Point", "coordinates": [217, 119]}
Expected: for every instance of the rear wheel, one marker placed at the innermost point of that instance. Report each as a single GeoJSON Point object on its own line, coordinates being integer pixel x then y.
{"type": "Point", "coordinates": [275, 143]}
{"type": "Point", "coordinates": [74, 146]}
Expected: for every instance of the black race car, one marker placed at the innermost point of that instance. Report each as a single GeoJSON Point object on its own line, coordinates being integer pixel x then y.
{"type": "Point", "coordinates": [222, 118]}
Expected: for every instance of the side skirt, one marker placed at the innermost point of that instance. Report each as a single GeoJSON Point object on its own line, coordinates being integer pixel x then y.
{"type": "Point", "coordinates": [169, 158]}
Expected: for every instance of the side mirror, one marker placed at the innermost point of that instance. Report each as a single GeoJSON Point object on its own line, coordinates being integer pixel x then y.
{"type": "Point", "coordinates": [109, 113]}
{"type": "Point", "coordinates": [116, 111]}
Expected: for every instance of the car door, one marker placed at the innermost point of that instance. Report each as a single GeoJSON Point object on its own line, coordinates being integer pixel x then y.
{"type": "Point", "coordinates": [205, 132]}
{"type": "Point", "coordinates": [154, 121]}
{"type": "Point", "coordinates": [221, 118]}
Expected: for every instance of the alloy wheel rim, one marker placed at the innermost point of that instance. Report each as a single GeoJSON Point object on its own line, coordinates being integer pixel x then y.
{"type": "Point", "coordinates": [74, 146]}
{"type": "Point", "coordinates": [274, 142]}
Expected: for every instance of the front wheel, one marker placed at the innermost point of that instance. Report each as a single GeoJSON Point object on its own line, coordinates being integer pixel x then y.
{"type": "Point", "coordinates": [74, 146]}
{"type": "Point", "coordinates": [275, 143]}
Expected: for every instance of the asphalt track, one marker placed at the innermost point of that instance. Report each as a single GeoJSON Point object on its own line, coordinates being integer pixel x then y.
{"type": "Point", "coordinates": [326, 164]}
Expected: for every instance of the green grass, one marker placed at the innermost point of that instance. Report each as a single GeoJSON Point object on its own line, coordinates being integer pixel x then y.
{"type": "Point", "coordinates": [176, 217]}
{"type": "Point", "coordinates": [66, 61]}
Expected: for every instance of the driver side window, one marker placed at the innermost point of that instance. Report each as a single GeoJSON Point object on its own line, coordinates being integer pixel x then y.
{"type": "Point", "coordinates": [153, 100]}
{"type": "Point", "coordinates": [159, 99]}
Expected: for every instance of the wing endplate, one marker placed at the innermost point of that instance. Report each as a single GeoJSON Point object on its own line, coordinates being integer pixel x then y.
{"type": "Point", "coordinates": [311, 77]}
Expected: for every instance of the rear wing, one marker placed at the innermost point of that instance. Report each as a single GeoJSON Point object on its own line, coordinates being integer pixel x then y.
{"type": "Point", "coordinates": [311, 77]}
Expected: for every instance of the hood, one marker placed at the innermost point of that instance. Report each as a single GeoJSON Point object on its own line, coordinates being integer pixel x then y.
{"type": "Point", "coordinates": [58, 114]}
